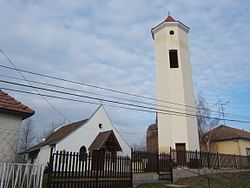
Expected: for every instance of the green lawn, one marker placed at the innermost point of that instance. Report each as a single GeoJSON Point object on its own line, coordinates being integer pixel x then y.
{"type": "Point", "coordinates": [227, 180]}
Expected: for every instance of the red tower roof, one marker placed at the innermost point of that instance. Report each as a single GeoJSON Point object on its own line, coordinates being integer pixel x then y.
{"type": "Point", "coordinates": [169, 19]}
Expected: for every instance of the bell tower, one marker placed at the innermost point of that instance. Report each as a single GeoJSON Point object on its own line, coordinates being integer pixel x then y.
{"type": "Point", "coordinates": [174, 84]}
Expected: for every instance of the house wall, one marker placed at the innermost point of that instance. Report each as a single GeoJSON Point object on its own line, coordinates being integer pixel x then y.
{"type": "Point", "coordinates": [174, 84]}
{"type": "Point", "coordinates": [43, 155]}
{"type": "Point", "coordinates": [9, 135]}
{"type": "Point", "coordinates": [86, 134]}
{"type": "Point", "coordinates": [237, 147]}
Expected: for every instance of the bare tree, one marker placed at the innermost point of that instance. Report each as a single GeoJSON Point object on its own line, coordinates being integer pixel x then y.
{"type": "Point", "coordinates": [205, 122]}
{"type": "Point", "coordinates": [27, 136]}
{"type": "Point", "coordinates": [47, 132]}
{"type": "Point", "coordinates": [141, 146]}
{"type": "Point", "coordinates": [26, 140]}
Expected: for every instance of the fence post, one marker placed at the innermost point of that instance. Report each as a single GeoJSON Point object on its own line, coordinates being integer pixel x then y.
{"type": "Point", "coordinates": [196, 157]}
{"type": "Point", "coordinates": [50, 168]}
{"type": "Point", "coordinates": [131, 168]}
{"type": "Point", "coordinates": [171, 165]}
{"type": "Point", "coordinates": [235, 162]}
{"type": "Point", "coordinates": [97, 167]}
{"type": "Point", "coordinates": [218, 159]}
{"type": "Point", "coordinates": [157, 162]}
{"type": "Point", "coordinates": [208, 160]}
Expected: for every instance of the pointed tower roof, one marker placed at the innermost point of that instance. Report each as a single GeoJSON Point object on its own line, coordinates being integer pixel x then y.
{"type": "Point", "coordinates": [169, 19]}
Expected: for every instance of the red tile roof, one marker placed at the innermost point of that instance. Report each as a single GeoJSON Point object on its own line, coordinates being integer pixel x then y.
{"type": "Point", "coordinates": [11, 105]}
{"type": "Point", "coordinates": [169, 19]}
{"type": "Point", "coordinates": [224, 132]}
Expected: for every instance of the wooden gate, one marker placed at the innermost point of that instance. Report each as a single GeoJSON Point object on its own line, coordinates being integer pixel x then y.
{"type": "Point", "coordinates": [145, 162]}
{"type": "Point", "coordinates": [68, 169]}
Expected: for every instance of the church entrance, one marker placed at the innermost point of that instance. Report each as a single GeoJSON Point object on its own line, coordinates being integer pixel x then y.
{"type": "Point", "coordinates": [104, 149]}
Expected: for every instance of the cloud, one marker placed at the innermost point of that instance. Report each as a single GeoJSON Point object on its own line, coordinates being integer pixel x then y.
{"type": "Point", "coordinates": [109, 43]}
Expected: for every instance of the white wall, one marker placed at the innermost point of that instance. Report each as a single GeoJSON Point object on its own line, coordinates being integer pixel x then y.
{"type": "Point", "coordinates": [9, 135]}
{"type": "Point", "coordinates": [86, 134]}
{"type": "Point", "coordinates": [43, 155]}
{"type": "Point", "coordinates": [174, 85]}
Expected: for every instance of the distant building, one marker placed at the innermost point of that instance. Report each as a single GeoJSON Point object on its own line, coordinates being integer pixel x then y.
{"type": "Point", "coordinates": [152, 138]}
{"type": "Point", "coordinates": [94, 135]}
{"type": "Point", "coordinates": [12, 112]}
{"type": "Point", "coordinates": [174, 85]}
{"type": "Point", "coordinates": [228, 140]}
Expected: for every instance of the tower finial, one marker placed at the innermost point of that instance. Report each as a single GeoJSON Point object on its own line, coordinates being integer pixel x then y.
{"type": "Point", "coordinates": [168, 13]}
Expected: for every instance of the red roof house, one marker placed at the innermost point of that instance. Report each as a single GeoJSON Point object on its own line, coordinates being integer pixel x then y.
{"type": "Point", "coordinates": [12, 112]}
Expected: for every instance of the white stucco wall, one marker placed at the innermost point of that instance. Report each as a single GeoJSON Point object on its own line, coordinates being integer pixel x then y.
{"type": "Point", "coordinates": [174, 85]}
{"type": "Point", "coordinates": [43, 155]}
{"type": "Point", "coordinates": [85, 135]}
{"type": "Point", "coordinates": [9, 135]}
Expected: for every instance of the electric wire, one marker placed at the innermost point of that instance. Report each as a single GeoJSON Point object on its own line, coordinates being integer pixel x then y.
{"type": "Point", "coordinates": [20, 72]}
{"type": "Point", "coordinates": [111, 90]}
{"type": "Point", "coordinates": [150, 109]}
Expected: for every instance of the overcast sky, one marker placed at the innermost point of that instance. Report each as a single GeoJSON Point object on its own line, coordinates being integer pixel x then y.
{"type": "Point", "coordinates": [108, 43]}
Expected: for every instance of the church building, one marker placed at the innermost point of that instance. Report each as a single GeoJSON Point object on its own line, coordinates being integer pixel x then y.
{"type": "Point", "coordinates": [175, 93]}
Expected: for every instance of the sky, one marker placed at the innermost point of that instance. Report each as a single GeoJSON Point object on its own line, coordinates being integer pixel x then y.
{"type": "Point", "coordinates": [109, 44]}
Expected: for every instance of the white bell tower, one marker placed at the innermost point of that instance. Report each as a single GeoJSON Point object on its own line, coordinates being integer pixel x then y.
{"type": "Point", "coordinates": [174, 84]}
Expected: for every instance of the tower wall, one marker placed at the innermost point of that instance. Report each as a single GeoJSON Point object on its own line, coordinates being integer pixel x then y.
{"type": "Point", "coordinates": [174, 85]}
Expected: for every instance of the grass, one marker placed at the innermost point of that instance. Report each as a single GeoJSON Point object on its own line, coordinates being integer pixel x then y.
{"type": "Point", "coordinates": [226, 180]}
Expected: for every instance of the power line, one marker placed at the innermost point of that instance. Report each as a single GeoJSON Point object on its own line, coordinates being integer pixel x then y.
{"type": "Point", "coordinates": [141, 107]}
{"type": "Point", "coordinates": [107, 89]}
{"type": "Point", "coordinates": [119, 98]}
{"type": "Point", "coordinates": [94, 98]}
{"type": "Point", "coordinates": [83, 91]}
{"type": "Point", "coordinates": [97, 87]}
{"type": "Point", "coordinates": [20, 72]}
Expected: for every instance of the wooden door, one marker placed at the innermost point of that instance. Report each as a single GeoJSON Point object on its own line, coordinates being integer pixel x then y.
{"type": "Point", "coordinates": [181, 153]}
{"type": "Point", "coordinates": [98, 157]}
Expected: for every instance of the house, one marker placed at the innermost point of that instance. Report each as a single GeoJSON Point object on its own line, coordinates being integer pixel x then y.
{"type": "Point", "coordinates": [12, 113]}
{"type": "Point", "coordinates": [95, 135]}
{"type": "Point", "coordinates": [228, 140]}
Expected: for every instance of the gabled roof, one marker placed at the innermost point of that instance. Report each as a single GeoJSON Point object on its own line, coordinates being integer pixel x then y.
{"type": "Point", "coordinates": [224, 132]}
{"type": "Point", "coordinates": [11, 105]}
{"type": "Point", "coordinates": [101, 140]}
{"type": "Point", "coordinates": [59, 134]}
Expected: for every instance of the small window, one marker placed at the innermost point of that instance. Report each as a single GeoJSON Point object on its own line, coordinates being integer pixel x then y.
{"type": "Point", "coordinates": [173, 59]}
{"type": "Point", "coordinates": [171, 32]}
{"type": "Point", "coordinates": [100, 126]}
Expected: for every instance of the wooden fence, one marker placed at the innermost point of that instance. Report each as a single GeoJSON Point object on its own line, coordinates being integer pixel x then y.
{"type": "Point", "coordinates": [68, 170]}
{"type": "Point", "coordinates": [198, 159]}
{"type": "Point", "coordinates": [144, 162]}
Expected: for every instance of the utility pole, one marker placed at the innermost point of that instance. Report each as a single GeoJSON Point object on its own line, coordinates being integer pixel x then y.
{"type": "Point", "coordinates": [222, 104]}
